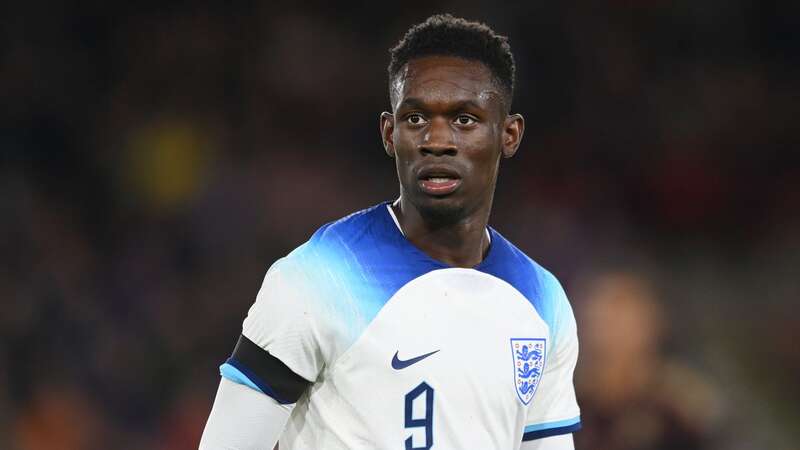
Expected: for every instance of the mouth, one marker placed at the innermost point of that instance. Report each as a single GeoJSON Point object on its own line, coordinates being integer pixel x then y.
{"type": "Point", "coordinates": [438, 181]}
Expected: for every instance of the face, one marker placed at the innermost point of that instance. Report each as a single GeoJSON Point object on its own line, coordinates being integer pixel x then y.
{"type": "Point", "coordinates": [447, 135]}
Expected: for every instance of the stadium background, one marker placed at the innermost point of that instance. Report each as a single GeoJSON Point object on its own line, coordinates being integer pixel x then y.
{"type": "Point", "coordinates": [154, 160]}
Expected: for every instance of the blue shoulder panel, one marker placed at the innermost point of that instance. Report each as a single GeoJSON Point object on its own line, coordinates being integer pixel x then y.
{"type": "Point", "coordinates": [357, 264]}
{"type": "Point", "coordinates": [539, 286]}
{"type": "Point", "coordinates": [361, 260]}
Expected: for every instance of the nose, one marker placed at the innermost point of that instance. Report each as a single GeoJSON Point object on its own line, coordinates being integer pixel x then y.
{"type": "Point", "coordinates": [438, 139]}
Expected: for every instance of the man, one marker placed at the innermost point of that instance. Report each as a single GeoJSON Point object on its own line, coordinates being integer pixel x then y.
{"type": "Point", "coordinates": [412, 325]}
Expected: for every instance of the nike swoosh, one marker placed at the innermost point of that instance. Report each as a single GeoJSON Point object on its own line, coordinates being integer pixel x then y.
{"type": "Point", "coordinates": [398, 364]}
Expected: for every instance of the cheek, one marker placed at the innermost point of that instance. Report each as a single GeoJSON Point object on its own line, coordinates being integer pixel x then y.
{"type": "Point", "coordinates": [403, 148]}
{"type": "Point", "coordinates": [484, 155]}
{"type": "Point", "coordinates": [402, 140]}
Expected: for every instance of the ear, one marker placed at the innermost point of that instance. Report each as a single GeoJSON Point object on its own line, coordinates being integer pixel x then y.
{"type": "Point", "coordinates": [513, 129]}
{"type": "Point", "coordinates": [387, 131]}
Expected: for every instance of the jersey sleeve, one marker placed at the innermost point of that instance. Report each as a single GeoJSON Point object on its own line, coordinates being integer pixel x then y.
{"type": "Point", "coordinates": [554, 410]}
{"type": "Point", "coordinates": [278, 351]}
{"type": "Point", "coordinates": [243, 419]}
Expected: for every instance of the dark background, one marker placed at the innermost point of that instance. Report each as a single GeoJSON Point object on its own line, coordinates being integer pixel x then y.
{"type": "Point", "coordinates": [155, 160]}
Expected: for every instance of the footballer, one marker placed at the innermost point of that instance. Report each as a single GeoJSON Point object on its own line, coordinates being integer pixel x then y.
{"type": "Point", "coordinates": [413, 324]}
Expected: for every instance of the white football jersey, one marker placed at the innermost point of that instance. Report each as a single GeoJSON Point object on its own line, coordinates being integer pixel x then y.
{"type": "Point", "coordinates": [401, 351]}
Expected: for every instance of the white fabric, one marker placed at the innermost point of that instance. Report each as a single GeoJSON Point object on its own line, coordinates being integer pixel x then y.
{"type": "Point", "coordinates": [562, 442]}
{"type": "Point", "coordinates": [279, 322]}
{"type": "Point", "coordinates": [243, 419]}
{"type": "Point", "coordinates": [394, 216]}
{"type": "Point", "coordinates": [358, 399]}
{"type": "Point", "coordinates": [555, 396]}
{"type": "Point", "coordinates": [344, 308]}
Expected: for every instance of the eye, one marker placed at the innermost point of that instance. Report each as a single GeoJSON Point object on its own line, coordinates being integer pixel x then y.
{"type": "Point", "coordinates": [415, 119]}
{"type": "Point", "coordinates": [465, 119]}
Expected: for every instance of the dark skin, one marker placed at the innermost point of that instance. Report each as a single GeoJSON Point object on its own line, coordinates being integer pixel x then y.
{"type": "Point", "coordinates": [447, 133]}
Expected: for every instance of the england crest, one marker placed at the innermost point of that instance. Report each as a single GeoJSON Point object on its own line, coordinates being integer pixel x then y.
{"type": "Point", "coordinates": [528, 356]}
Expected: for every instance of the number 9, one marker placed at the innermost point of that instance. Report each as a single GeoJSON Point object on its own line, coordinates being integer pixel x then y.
{"type": "Point", "coordinates": [426, 421]}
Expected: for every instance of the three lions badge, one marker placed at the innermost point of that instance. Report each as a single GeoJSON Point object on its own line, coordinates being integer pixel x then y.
{"type": "Point", "coordinates": [528, 357]}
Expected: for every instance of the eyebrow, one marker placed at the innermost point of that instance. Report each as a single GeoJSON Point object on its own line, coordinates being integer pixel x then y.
{"type": "Point", "coordinates": [416, 103]}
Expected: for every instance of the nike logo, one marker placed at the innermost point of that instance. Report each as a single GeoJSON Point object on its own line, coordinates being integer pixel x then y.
{"type": "Point", "coordinates": [399, 364]}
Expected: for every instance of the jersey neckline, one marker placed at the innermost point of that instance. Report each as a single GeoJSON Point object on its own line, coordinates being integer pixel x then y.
{"type": "Point", "coordinates": [394, 225]}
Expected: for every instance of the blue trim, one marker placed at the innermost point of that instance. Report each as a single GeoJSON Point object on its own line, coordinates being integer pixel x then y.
{"type": "Point", "coordinates": [543, 430]}
{"type": "Point", "coordinates": [232, 373]}
{"type": "Point", "coordinates": [556, 424]}
{"type": "Point", "coordinates": [239, 373]}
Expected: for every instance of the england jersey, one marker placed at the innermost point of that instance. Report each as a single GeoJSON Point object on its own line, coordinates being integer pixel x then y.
{"type": "Point", "coordinates": [391, 349]}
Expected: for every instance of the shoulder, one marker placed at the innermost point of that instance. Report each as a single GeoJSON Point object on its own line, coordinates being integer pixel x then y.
{"type": "Point", "coordinates": [351, 229]}
{"type": "Point", "coordinates": [526, 267]}
{"type": "Point", "coordinates": [533, 280]}
{"type": "Point", "coordinates": [353, 263]}
{"type": "Point", "coordinates": [331, 243]}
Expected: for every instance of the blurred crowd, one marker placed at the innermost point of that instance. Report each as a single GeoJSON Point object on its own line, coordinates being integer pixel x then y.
{"type": "Point", "coordinates": [156, 159]}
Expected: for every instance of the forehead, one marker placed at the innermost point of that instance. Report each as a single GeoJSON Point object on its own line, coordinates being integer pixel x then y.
{"type": "Point", "coordinates": [445, 78]}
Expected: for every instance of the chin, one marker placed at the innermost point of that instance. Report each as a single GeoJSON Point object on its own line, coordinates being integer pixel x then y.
{"type": "Point", "coordinates": [443, 210]}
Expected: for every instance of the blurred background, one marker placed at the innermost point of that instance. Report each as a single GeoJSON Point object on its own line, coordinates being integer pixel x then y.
{"type": "Point", "coordinates": [155, 160]}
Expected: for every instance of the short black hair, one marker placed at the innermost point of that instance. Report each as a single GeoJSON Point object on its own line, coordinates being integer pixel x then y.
{"type": "Point", "coordinates": [446, 35]}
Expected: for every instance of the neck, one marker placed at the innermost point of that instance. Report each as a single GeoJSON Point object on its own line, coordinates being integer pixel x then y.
{"type": "Point", "coordinates": [461, 243]}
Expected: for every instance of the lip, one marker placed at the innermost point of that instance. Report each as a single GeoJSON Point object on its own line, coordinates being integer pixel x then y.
{"type": "Point", "coordinates": [450, 180]}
